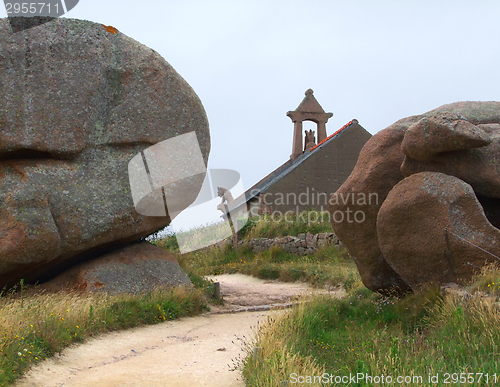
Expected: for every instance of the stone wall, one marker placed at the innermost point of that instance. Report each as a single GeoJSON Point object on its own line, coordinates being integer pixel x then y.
{"type": "Point", "coordinates": [302, 244]}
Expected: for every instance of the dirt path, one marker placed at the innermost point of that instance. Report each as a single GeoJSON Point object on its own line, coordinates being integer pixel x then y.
{"type": "Point", "coordinates": [195, 351]}
{"type": "Point", "coordinates": [242, 293]}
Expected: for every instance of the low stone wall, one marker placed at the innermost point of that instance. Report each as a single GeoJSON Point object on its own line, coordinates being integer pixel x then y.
{"type": "Point", "coordinates": [301, 244]}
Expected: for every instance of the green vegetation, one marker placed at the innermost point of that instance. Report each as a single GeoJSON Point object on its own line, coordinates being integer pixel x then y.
{"type": "Point", "coordinates": [328, 266]}
{"type": "Point", "coordinates": [426, 333]}
{"type": "Point", "coordinates": [35, 327]}
{"type": "Point", "coordinates": [267, 227]}
{"type": "Point", "coordinates": [263, 226]}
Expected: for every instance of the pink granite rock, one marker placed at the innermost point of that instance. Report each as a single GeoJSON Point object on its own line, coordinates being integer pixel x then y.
{"type": "Point", "coordinates": [461, 140]}
{"type": "Point", "coordinates": [78, 101]}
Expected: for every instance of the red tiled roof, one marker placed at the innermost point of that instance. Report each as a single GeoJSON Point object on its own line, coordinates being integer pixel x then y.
{"type": "Point", "coordinates": [332, 135]}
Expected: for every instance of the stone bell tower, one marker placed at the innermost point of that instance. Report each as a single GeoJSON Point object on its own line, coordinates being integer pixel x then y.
{"type": "Point", "coordinates": [308, 110]}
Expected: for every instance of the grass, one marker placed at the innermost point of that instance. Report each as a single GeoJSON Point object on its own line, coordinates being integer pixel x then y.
{"type": "Point", "coordinates": [425, 334]}
{"type": "Point", "coordinates": [328, 266]}
{"type": "Point", "coordinates": [488, 281]}
{"type": "Point", "coordinates": [265, 226]}
{"type": "Point", "coordinates": [35, 327]}
{"type": "Point", "coordinates": [202, 236]}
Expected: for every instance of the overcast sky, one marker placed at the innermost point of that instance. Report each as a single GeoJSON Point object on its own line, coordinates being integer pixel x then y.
{"type": "Point", "coordinates": [250, 61]}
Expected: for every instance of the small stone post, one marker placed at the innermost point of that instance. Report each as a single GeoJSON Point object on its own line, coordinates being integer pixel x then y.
{"type": "Point", "coordinates": [217, 291]}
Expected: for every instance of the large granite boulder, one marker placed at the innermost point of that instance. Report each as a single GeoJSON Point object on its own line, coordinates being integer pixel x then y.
{"type": "Point", "coordinates": [432, 228]}
{"type": "Point", "coordinates": [79, 100]}
{"type": "Point", "coordinates": [376, 172]}
{"type": "Point", "coordinates": [136, 268]}
{"type": "Point", "coordinates": [461, 140]}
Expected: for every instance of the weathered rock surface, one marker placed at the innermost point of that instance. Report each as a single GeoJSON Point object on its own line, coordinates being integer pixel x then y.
{"type": "Point", "coordinates": [423, 226]}
{"type": "Point", "coordinates": [78, 101]}
{"type": "Point", "coordinates": [137, 268]}
{"type": "Point", "coordinates": [459, 139]}
{"type": "Point", "coordinates": [376, 172]}
{"type": "Point", "coordinates": [480, 167]}
{"type": "Point", "coordinates": [443, 132]}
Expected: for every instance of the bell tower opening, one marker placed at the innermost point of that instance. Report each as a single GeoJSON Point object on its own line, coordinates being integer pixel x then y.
{"type": "Point", "coordinates": [308, 110]}
{"type": "Point", "coordinates": [310, 135]}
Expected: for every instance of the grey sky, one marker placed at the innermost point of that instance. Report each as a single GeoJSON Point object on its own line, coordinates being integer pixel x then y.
{"type": "Point", "coordinates": [250, 61]}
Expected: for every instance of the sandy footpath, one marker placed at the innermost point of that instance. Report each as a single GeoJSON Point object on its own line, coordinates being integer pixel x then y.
{"type": "Point", "coordinates": [194, 351]}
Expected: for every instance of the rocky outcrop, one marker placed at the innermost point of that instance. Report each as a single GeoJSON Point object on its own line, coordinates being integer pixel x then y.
{"type": "Point", "coordinates": [401, 247]}
{"type": "Point", "coordinates": [78, 101]}
{"type": "Point", "coordinates": [442, 132]}
{"type": "Point", "coordinates": [376, 172]}
{"type": "Point", "coordinates": [430, 227]}
{"type": "Point", "coordinates": [137, 268]}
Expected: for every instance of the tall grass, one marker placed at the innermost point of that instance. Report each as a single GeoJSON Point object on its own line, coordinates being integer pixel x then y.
{"type": "Point", "coordinates": [425, 334]}
{"type": "Point", "coordinates": [266, 226]}
{"type": "Point", "coordinates": [35, 327]}
{"type": "Point", "coordinates": [269, 357]}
